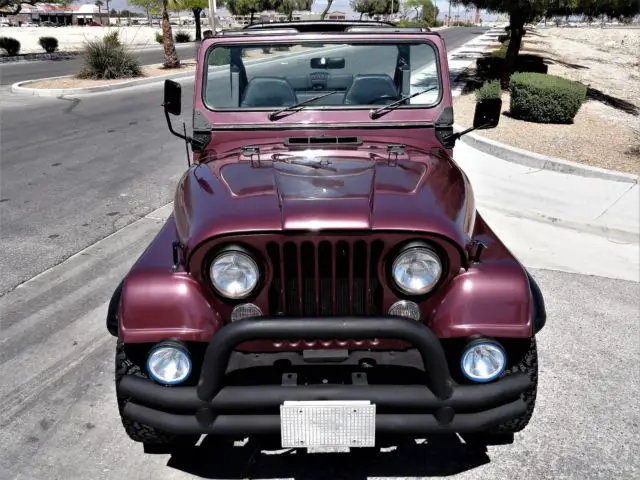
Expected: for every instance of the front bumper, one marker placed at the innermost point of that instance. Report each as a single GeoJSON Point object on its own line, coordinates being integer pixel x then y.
{"type": "Point", "coordinates": [437, 406]}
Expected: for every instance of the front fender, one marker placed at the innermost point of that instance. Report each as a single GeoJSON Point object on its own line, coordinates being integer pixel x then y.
{"type": "Point", "coordinates": [491, 299]}
{"type": "Point", "coordinates": [157, 302]}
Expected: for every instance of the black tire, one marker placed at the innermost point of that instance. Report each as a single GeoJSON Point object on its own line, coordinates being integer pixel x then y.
{"type": "Point", "coordinates": [138, 432]}
{"type": "Point", "coordinates": [528, 365]}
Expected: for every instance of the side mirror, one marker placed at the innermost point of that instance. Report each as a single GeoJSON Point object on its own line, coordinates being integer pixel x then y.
{"type": "Point", "coordinates": [172, 97]}
{"type": "Point", "coordinates": [487, 114]}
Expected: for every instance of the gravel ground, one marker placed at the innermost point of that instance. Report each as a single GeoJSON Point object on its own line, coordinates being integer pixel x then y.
{"type": "Point", "coordinates": [606, 130]}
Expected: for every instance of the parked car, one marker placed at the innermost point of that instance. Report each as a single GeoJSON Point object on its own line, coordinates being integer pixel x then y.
{"type": "Point", "coordinates": [325, 276]}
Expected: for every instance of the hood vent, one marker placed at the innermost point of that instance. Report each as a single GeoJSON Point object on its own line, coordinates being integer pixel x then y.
{"type": "Point", "coordinates": [324, 141]}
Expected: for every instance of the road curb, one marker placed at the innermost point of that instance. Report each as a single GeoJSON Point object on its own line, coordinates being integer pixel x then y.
{"type": "Point", "coordinates": [613, 234]}
{"type": "Point", "coordinates": [33, 57]}
{"type": "Point", "coordinates": [536, 160]}
{"type": "Point", "coordinates": [56, 92]}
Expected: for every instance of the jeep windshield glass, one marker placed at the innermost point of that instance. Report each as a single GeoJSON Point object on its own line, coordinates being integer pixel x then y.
{"type": "Point", "coordinates": [285, 78]}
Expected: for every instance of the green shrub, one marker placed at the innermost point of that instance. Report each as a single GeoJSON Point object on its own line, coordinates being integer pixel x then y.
{"type": "Point", "coordinates": [10, 45]}
{"type": "Point", "coordinates": [49, 44]}
{"type": "Point", "coordinates": [106, 60]}
{"type": "Point", "coordinates": [159, 37]}
{"type": "Point", "coordinates": [282, 48]}
{"type": "Point", "coordinates": [111, 38]}
{"type": "Point", "coordinates": [182, 37]}
{"type": "Point", "coordinates": [543, 98]}
{"type": "Point", "coordinates": [489, 90]}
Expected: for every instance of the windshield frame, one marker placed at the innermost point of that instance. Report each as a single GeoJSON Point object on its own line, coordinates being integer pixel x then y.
{"type": "Point", "coordinates": [300, 39]}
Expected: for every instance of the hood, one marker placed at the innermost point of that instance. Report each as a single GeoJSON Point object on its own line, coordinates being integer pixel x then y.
{"type": "Point", "coordinates": [315, 191]}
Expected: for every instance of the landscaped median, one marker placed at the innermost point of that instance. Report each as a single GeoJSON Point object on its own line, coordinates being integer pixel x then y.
{"type": "Point", "coordinates": [70, 84]}
{"type": "Point", "coordinates": [572, 107]}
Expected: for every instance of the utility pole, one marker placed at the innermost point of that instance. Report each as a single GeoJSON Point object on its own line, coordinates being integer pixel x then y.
{"type": "Point", "coordinates": [212, 15]}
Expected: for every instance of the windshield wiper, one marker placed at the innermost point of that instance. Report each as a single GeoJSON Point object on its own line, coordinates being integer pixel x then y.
{"type": "Point", "coordinates": [274, 115]}
{"type": "Point", "coordinates": [377, 113]}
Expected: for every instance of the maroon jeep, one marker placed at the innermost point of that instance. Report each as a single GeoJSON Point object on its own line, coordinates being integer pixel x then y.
{"type": "Point", "coordinates": [325, 276]}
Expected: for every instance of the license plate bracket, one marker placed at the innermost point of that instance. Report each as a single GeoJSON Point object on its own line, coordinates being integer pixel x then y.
{"type": "Point", "coordinates": [328, 424]}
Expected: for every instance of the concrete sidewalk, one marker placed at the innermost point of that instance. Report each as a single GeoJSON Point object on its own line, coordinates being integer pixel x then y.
{"type": "Point", "coordinates": [589, 204]}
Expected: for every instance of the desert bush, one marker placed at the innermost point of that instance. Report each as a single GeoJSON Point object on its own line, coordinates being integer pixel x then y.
{"type": "Point", "coordinates": [49, 44]}
{"type": "Point", "coordinates": [282, 48]}
{"type": "Point", "coordinates": [266, 49]}
{"type": "Point", "coordinates": [159, 37]}
{"type": "Point", "coordinates": [107, 60]}
{"type": "Point", "coordinates": [489, 90]}
{"type": "Point", "coordinates": [182, 37]}
{"type": "Point", "coordinates": [112, 38]}
{"type": "Point", "coordinates": [543, 98]}
{"type": "Point", "coordinates": [10, 45]}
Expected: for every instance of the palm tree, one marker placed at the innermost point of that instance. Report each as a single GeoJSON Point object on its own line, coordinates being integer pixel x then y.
{"type": "Point", "coordinates": [99, 4]}
{"type": "Point", "coordinates": [171, 59]}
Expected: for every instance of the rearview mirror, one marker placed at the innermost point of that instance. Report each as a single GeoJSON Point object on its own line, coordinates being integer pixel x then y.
{"type": "Point", "coordinates": [327, 62]}
{"type": "Point", "coordinates": [487, 114]}
{"type": "Point", "coordinates": [172, 97]}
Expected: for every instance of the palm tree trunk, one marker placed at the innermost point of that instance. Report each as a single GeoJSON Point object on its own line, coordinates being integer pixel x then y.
{"type": "Point", "coordinates": [196, 15]}
{"type": "Point", "coordinates": [326, 10]}
{"type": "Point", "coordinates": [171, 59]}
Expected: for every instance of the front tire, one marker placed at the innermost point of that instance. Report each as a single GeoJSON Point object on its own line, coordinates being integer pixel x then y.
{"type": "Point", "coordinates": [138, 432]}
{"type": "Point", "coordinates": [527, 365]}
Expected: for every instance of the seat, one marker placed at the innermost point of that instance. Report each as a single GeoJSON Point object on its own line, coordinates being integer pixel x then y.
{"type": "Point", "coordinates": [269, 92]}
{"type": "Point", "coordinates": [368, 87]}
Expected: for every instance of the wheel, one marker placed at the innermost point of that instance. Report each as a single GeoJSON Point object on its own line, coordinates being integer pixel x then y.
{"type": "Point", "coordinates": [528, 365]}
{"type": "Point", "coordinates": [138, 432]}
{"type": "Point", "coordinates": [503, 434]}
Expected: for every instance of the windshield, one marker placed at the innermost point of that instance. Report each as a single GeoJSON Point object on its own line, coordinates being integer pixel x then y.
{"type": "Point", "coordinates": [305, 75]}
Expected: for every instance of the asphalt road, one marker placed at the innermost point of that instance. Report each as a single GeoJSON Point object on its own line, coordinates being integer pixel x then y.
{"type": "Point", "coordinates": [19, 71]}
{"type": "Point", "coordinates": [75, 170]}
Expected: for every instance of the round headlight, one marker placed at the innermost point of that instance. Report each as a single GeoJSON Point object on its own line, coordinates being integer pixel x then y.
{"type": "Point", "coordinates": [169, 365]}
{"type": "Point", "coordinates": [483, 361]}
{"type": "Point", "coordinates": [234, 274]}
{"type": "Point", "coordinates": [416, 270]}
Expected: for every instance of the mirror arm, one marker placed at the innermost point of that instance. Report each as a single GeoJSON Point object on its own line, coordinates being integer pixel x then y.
{"type": "Point", "coordinates": [179, 135]}
{"type": "Point", "coordinates": [191, 141]}
{"type": "Point", "coordinates": [455, 136]}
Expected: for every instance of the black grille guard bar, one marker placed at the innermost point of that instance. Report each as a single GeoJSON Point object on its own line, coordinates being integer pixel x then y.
{"type": "Point", "coordinates": [324, 328]}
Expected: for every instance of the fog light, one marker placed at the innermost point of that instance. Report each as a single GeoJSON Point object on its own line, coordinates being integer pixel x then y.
{"type": "Point", "coordinates": [483, 361]}
{"type": "Point", "coordinates": [168, 364]}
{"type": "Point", "coordinates": [245, 310]}
{"type": "Point", "coordinates": [405, 308]}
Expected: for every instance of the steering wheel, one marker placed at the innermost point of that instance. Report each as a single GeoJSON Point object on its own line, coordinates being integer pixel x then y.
{"type": "Point", "coordinates": [385, 98]}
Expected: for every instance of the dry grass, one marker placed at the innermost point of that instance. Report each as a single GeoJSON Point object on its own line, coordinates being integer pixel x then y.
{"type": "Point", "coordinates": [72, 82]}
{"type": "Point", "coordinates": [606, 131]}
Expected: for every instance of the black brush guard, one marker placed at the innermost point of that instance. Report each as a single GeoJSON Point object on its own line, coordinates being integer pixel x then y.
{"type": "Point", "coordinates": [439, 406]}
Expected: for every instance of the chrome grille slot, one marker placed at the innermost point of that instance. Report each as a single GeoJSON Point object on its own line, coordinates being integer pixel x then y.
{"type": "Point", "coordinates": [325, 278]}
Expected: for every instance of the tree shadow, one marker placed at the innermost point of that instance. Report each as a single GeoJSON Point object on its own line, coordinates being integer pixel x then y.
{"type": "Point", "coordinates": [614, 102]}
{"type": "Point", "coordinates": [443, 455]}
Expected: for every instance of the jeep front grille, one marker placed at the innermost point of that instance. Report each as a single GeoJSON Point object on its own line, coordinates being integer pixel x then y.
{"type": "Point", "coordinates": [327, 277]}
